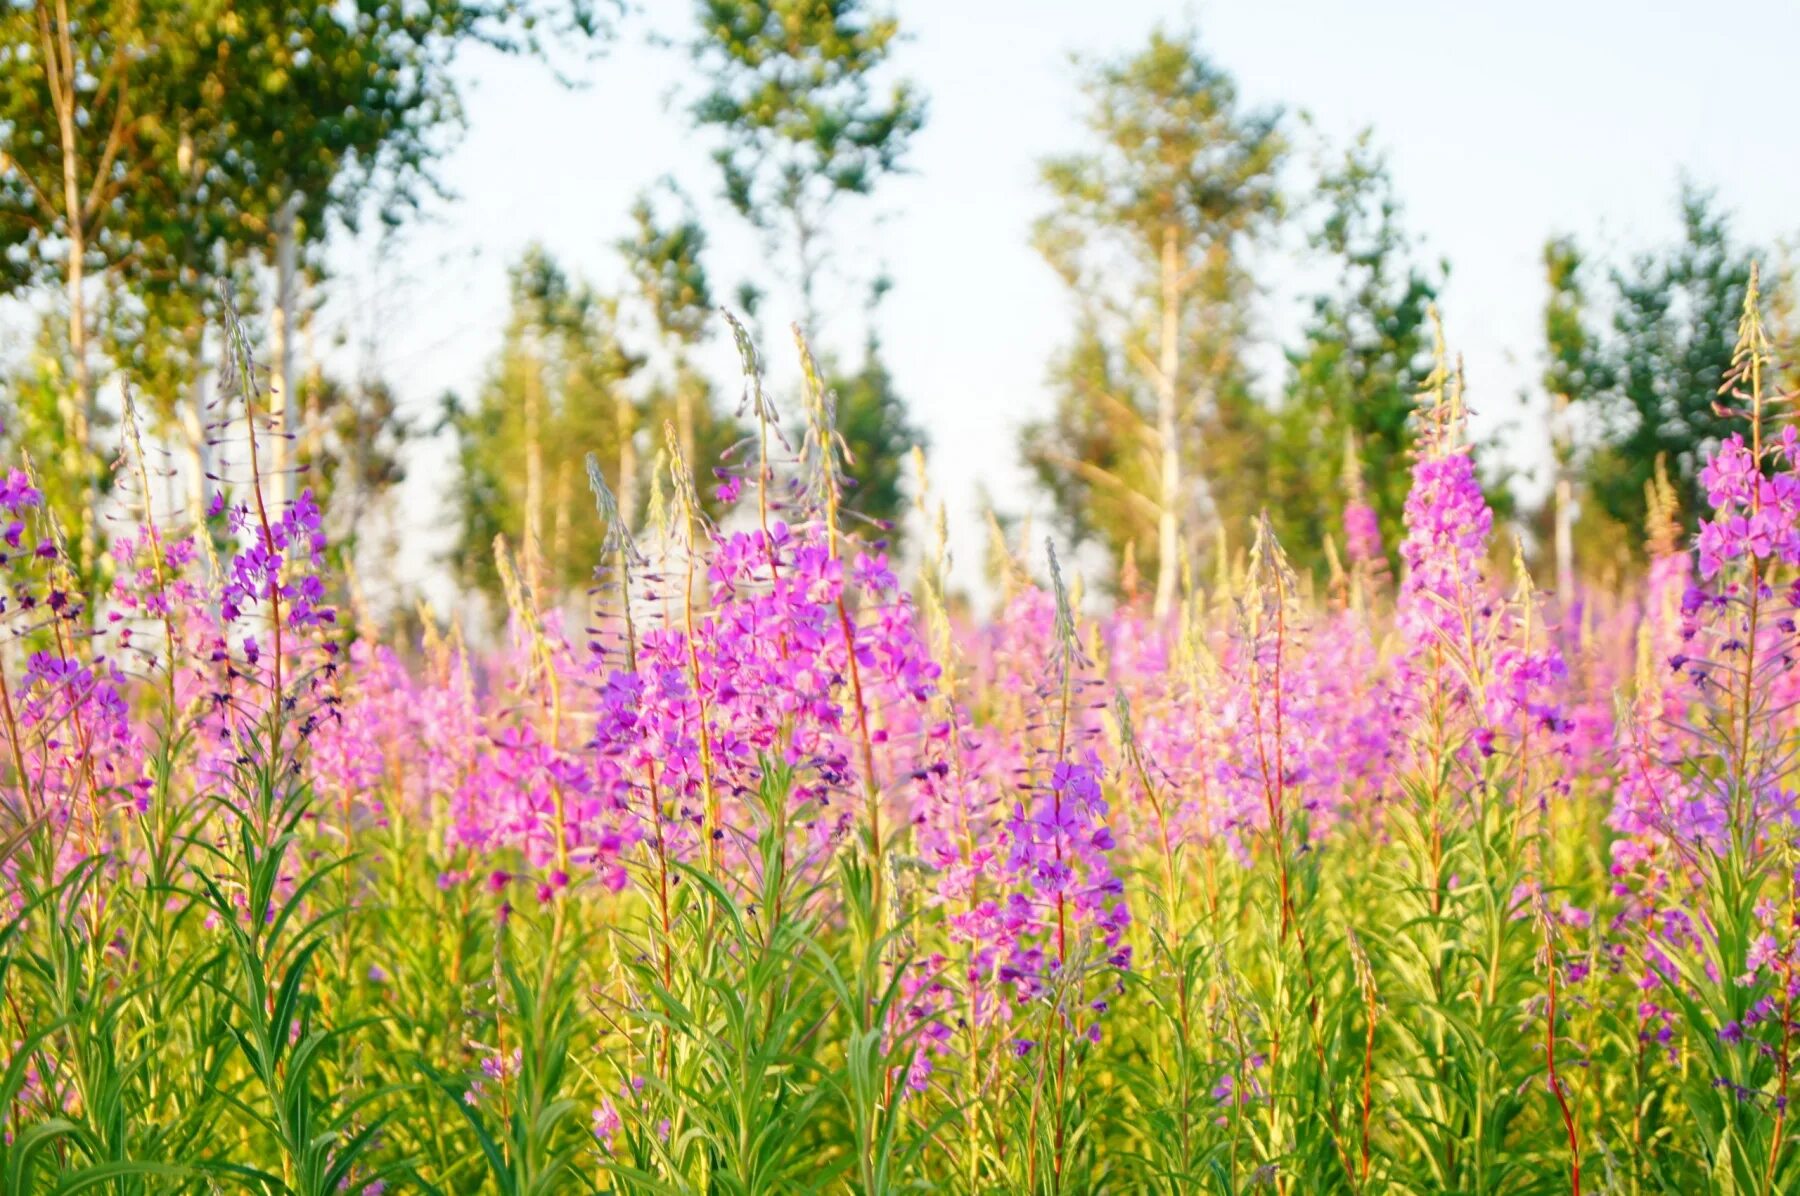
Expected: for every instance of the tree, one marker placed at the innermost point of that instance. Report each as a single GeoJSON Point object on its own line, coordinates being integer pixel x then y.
{"type": "Point", "coordinates": [358, 425]}
{"type": "Point", "coordinates": [160, 145]}
{"type": "Point", "coordinates": [665, 259]}
{"type": "Point", "coordinates": [560, 388]}
{"type": "Point", "coordinates": [85, 105]}
{"type": "Point", "coordinates": [1674, 321]}
{"type": "Point", "coordinates": [872, 419]}
{"type": "Point", "coordinates": [94, 101]}
{"type": "Point", "coordinates": [325, 109]}
{"type": "Point", "coordinates": [1148, 231]}
{"type": "Point", "coordinates": [1572, 373]}
{"type": "Point", "coordinates": [803, 126]}
{"type": "Point", "coordinates": [1356, 376]}
{"type": "Point", "coordinates": [793, 97]}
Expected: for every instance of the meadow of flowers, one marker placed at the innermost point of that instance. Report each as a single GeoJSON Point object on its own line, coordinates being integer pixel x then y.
{"type": "Point", "coordinates": [757, 870]}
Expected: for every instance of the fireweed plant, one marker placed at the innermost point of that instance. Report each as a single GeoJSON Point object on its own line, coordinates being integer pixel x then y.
{"type": "Point", "coordinates": [755, 869]}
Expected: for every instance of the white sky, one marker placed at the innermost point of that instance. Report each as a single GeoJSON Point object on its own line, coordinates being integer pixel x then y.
{"type": "Point", "coordinates": [1504, 123]}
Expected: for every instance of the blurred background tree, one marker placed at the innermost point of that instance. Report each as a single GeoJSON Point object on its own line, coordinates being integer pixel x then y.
{"type": "Point", "coordinates": [1674, 321]}
{"type": "Point", "coordinates": [804, 123]}
{"type": "Point", "coordinates": [559, 389]}
{"type": "Point", "coordinates": [152, 148]}
{"type": "Point", "coordinates": [1355, 378]}
{"type": "Point", "coordinates": [1150, 227]}
{"type": "Point", "coordinates": [1572, 370]}
{"type": "Point", "coordinates": [95, 103]}
{"type": "Point", "coordinates": [1638, 362]}
{"type": "Point", "coordinates": [877, 431]}
{"type": "Point", "coordinates": [665, 257]}
{"type": "Point", "coordinates": [332, 111]}
{"type": "Point", "coordinates": [793, 100]}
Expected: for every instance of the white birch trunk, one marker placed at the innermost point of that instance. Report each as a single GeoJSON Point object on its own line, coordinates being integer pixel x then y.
{"type": "Point", "coordinates": [192, 415]}
{"type": "Point", "coordinates": [1167, 429]}
{"type": "Point", "coordinates": [534, 468]}
{"type": "Point", "coordinates": [281, 346]}
{"type": "Point", "coordinates": [1565, 503]}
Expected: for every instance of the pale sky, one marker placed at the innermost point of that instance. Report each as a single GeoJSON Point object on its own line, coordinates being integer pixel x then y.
{"type": "Point", "coordinates": [1503, 123]}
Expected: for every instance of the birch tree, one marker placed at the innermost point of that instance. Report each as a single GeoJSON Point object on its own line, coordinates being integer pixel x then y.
{"type": "Point", "coordinates": [1570, 374]}
{"type": "Point", "coordinates": [93, 103]}
{"type": "Point", "coordinates": [1148, 229]}
{"type": "Point", "coordinates": [806, 120]}
{"type": "Point", "coordinates": [148, 147]}
{"type": "Point", "coordinates": [328, 114]}
{"type": "Point", "coordinates": [562, 386]}
{"type": "Point", "coordinates": [803, 118]}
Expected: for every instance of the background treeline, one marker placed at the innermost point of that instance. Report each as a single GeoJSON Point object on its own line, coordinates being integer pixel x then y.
{"type": "Point", "coordinates": [152, 151]}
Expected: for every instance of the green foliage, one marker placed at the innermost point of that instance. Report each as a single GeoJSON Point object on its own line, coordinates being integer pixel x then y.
{"type": "Point", "coordinates": [354, 448]}
{"type": "Point", "coordinates": [794, 96]}
{"type": "Point", "coordinates": [534, 1144]}
{"type": "Point", "coordinates": [152, 148]}
{"type": "Point", "coordinates": [1656, 370]}
{"type": "Point", "coordinates": [95, 106]}
{"type": "Point", "coordinates": [879, 437]}
{"type": "Point", "coordinates": [194, 123]}
{"type": "Point", "coordinates": [559, 390]}
{"type": "Point", "coordinates": [1149, 227]}
{"type": "Point", "coordinates": [666, 258]}
{"type": "Point", "coordinates": [1571, 368]}
{"type": "Point", "coordinates": [39, 414]}
{"type": "Point", "coordinates": [1354, 381]}
{"type": "Point", "coordinates": [1097, 455]}
{"type": "Point", "coordinates": [1170, 149]}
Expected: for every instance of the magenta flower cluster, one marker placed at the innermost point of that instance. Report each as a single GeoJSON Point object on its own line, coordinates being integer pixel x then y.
{"type": "Point", "coordinates": [1756, 514]}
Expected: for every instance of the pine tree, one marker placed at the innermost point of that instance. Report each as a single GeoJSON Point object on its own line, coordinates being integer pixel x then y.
{"type": "Point", "coordinates": [1674, 320]}
{"type": "Point", "coordinates": [1364, 358]}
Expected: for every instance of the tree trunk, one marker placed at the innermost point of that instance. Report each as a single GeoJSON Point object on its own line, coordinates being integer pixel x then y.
{"type": "Point", "coordinates": [192, 416]}
{"type": "Point", "coordinates": [627, 459]}
{"type": "Point", "coordinates": [60, 73]}
{"type": "Point", "coordinates": [559, 542]}
{"type": "Point", "coordinates": [312, 420]}
{"type": "Point", "coordinates": [281, 345]}
{"type": "Point", "coordinates": [1565, 504]}
{"type": "Point", "coordinates": [1169, 364]}
{"type": "Point", "coordinates": [80, 410]}
{"type": "Point", "coordinates": [534, 467]}
{"type": "Point", "coordinates": [684, 417]}
{"type": "Point", "coordinates": [81, 375]}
